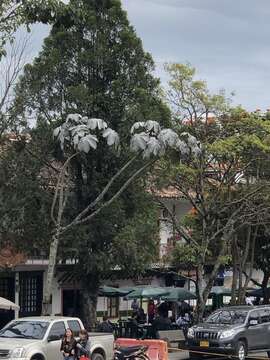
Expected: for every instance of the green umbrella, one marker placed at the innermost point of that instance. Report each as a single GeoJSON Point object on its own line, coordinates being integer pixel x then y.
{"type": "Point", "coordinates": [110, 291]}
{"type": "Point", "coordinates": [147, 292]}
{"type": "Point", "coordinates": [178, 294]}
{"type": "Point", "coordinates": [220, 290]}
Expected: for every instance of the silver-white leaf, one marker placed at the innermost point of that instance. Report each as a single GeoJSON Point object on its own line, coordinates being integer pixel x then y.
{"type": "Point", "coordinates": [153, 146]}
{"type": "Point", "coordinates": [96, 124]}
{"type": "Point", "coordinates": [74, 118]}
{"type": "Point", "coordinates": [111, 136]}
{"type": "Point", "coordinates": [152, 126]}
{"type": "Point", "coordinates": [88, 142]}
{"type": "Point", "coordinates": [182, 147]}
{"type": "Point", "coordinates": [168, 137]}
{"type": "Point", "coordinates": [79, 129]}
{"type": "Point", "coordinates": [137, 125]}
{"type": "Point", "coordinates": [139, 141]}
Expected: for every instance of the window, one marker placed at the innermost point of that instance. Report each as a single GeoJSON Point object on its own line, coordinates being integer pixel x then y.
{"type": "Point", "coordinates": [227, 317]}
{"type": "Point", "coordinates": [254, 315]}
{"type": "Point", "coordinates": [25, 330]}
{"type": "Point", "coordinates": [265, 315]}
{"type": "Point", "coordinates": [58, 329]}
{"type": "Point", "coordinates": [74, 326]}
{"type": "Point", "coordinates": [30, 294]}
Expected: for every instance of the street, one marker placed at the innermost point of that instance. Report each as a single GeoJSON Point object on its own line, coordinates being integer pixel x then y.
{"type": "Point", "coordinates": [183, 355]}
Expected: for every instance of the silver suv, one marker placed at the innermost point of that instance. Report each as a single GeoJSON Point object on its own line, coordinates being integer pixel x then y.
{"type": "Point", "coordinates": [235, 330]}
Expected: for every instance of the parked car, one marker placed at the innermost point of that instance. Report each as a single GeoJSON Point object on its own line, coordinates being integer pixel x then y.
{"type": "Point", "coordinates": [235, 330]}
{"type": "Point", "coordinates": [39, 338]}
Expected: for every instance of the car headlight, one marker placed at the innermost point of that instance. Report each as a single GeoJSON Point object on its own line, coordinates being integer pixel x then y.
{"type": "Point", "coordinates": [18, 352]}
{"type": "Point", "coordinates": [190, 333]}
{"type": "Point", "coordinates": [226, 334]}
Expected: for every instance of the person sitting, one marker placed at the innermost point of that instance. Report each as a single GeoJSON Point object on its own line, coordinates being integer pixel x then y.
{"type": "Point", "coordinates": [164, 308]}
{"type": "Point", "coordinates": [68, 345]}
{"type": "Point", "coordinates": [133, 325]}
{"type": "Point", "coordinates": [161, 322]}
{"type": "Point", "coordinates": [105, 326]}
{"type": "Point", "coordinates": [83, 345]}
{"type": "Point", "coordinates": [184, 308]}
{"type": "Point", "coordinates": [141, 316]}
{"type": "Point", "coordinates": [183, 320]}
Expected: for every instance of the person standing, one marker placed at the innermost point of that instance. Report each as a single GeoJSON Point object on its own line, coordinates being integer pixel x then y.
{"type": "Point", "coordinates": [151, 310]}
{"type": "Point", "coordinates": [68, 345]}
{"type": "Point", "coordinates": [135, 306]}
{"type": "Point", "coordinates": [83, 345]}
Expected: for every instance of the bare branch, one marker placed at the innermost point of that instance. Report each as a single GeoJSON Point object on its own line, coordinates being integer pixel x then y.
{"type": "Point", "coordinates": [107, 203]}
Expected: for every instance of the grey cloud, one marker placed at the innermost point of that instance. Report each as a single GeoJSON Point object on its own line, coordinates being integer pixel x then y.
{"type": "Point", "coordinates": [226, 40]}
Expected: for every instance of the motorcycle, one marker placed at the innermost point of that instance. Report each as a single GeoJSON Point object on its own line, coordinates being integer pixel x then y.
{"type": "Point", "coordinates": [131, 353]}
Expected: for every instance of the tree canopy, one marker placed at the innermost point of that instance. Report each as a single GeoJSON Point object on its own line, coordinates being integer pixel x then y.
{"type": "Point", "coordinates": [218, 182]}
{"type": "Point", "coordinates": [93, 64]}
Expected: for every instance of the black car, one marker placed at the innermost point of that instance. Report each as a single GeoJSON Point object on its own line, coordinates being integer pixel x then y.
{"type": "Point", "coordinates": [234, 330]}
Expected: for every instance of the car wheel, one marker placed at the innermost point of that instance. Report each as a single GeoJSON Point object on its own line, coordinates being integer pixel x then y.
{"type": "Point", "coordinates": [97, 356]}
{"type": "Point", "coordinates": [241, 350]}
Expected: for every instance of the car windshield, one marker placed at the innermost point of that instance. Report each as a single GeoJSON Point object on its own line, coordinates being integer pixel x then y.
{"type": "Point", "coordinates": [25, 330]}
{"type": "Point", "coordinates": [227, 317]}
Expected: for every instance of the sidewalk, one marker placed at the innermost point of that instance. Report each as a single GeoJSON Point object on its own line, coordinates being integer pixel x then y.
{"type": "Point", "coordinates": [178, 355]}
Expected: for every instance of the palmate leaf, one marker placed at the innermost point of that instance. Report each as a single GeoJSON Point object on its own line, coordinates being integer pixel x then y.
{"type": "Point", "coordinates": [154, 126]}
{"type": "Point", "coordinates": [149, 126]}
{"type": "Point", "coordinates": [111, 136]}
{"type": "Point", "coordinates": [139, 141]}
{"type": "Point", "coordinates": [182, 147]}
{"type": "Point", "coordinates": [87, 142]}
{"type": "Point", "coordinates": [79, 130]}
{"type": "Point", "coordinates": [154, 147]}
{"type": "Point", "coordinates": [74, 119]}
{"type": "Point", "coordinates": [136, 126]}
{"type": "Point", "coordinates": [168, 137]}
{"type": "Point", "coordinates": [94, 124]}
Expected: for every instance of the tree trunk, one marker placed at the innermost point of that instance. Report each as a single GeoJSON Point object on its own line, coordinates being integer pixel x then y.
{"type": "Point", "coordinates": [199, 290]}
{"type": "Point", "coordinates": [235, 272]}
{"type": "Point", "coordinates": [46, 308]}
{"type": "Point", "coordinates": [203, 295]}
{"type": "Point", "coordinates": [266, 277]}
{"type": "Point", "coordinates": [251, 264]}
{"type": "Point", "coordinates": [89, 308]}
{"type": "Point", "coordinates": [89, 301]}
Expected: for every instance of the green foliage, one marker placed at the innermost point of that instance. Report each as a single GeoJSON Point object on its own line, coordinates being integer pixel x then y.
{"type": "Point", "coordinates": [184, 257]}
{"type": "Point", "coordinates": [137, 244]}
{"type": "Point", "coordinates": [226, 182]}
{"type": "Point", "coordinates": [190, 98]}
{"type": "Point", "coordinates": [93, 64]}
{"type": "Point", "coordinates": [25, 195]}
{"type": "Point", "coordinates": [14, 13]}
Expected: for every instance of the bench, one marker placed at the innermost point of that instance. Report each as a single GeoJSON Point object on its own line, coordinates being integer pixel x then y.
{"type": "Point", "coordinates": [172, 337]}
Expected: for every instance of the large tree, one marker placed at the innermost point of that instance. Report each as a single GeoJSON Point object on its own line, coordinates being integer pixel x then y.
{"type": "Point", "coordinates": [218, 181]}
{"type": "Point", "coordinates": [94, 64]}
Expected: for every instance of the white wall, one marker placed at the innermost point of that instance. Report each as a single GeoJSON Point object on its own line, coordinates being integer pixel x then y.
{"type": "Point", "coordinates": [182, 207]}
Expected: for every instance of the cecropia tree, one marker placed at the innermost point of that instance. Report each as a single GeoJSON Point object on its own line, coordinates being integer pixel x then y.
{"type": "Point", "coordinates": [80, 134]}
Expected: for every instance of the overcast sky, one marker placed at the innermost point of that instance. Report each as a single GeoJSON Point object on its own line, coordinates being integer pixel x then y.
{"type": "Point", "coordinates": [226, 40]}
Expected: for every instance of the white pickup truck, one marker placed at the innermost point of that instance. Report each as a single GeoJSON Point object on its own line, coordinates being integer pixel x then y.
{"type": "Point", "coordinates": [39, 338]}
